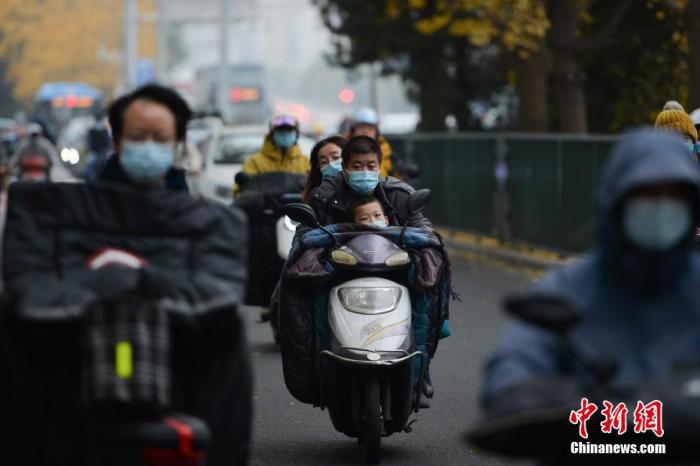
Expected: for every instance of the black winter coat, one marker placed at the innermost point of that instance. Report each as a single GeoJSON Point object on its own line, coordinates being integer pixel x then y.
{"type": "Point", "coordinates": [196, 254]}
{"type": "Point", "coordinates": [331, 201]}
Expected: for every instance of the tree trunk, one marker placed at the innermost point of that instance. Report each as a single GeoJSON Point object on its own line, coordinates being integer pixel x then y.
{"type": "Point", "coordinates": [532, 76]}
{"type": "Point", "coordinates": [432, 113]}
{"type": "Point", "coordinates": [569, 78]}
{"type": "Point", "coordinates": [571, 95]}
{"type": "Point", "coordinates": [431, 80]}
{"type": "Point", "coordinates": [692, 21]}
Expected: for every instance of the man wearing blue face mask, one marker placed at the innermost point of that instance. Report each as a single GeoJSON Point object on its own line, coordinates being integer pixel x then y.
{"type": "Point", "coordinates": [362, 159]}
{"type": "Point", "coordinates": [147, 125]}
{"type": "Point", "coordinates": [280, 151]}
{"type": "Point", "coordinates": [637, 292]}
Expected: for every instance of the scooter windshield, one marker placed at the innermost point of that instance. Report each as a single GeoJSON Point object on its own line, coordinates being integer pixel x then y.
{"type": "Point", "coordinates": [371, 250]}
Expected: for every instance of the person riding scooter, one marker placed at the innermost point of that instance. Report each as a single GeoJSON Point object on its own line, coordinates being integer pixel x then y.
{"type": "Point", "coordinates": [120, 329]}
{"type": "Point", "coordinates": [35, 156]}
{"type": "Point", "coordinates": [365, 122]}
{"type": "Point", "coordinates": [280, 151]}
{"type": "Point", "coordinates": [636, 295]}
{"type": "Point", "coordinates": [359, 315]}
{"type": "Point", "coordinates": [362, 158]}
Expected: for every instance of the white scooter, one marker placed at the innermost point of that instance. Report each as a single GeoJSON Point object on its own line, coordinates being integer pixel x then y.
{"type": "Point", "coordinates": [370, 387]}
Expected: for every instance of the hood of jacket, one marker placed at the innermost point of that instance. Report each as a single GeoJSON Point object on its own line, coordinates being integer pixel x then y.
{"type": "Point", "coordinates": [643, 158]}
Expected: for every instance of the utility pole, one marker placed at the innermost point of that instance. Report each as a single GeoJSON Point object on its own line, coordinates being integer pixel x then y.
{"type": "Point", "coordinates": [223, 88]}
{"type": "Point", "coordinates": [162, 65]}
{"type": "Point", "coordinates": [373, 99]}
{"type": "Point", "coordinates": [130, 43]}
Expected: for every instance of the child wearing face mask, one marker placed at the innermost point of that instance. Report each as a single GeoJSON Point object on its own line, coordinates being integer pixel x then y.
{"type": "Point", "coordinates": [368, 210]}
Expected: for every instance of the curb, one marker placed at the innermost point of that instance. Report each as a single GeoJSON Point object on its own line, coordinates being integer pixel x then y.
{"type": "Point", "coordinates": [512, 254]}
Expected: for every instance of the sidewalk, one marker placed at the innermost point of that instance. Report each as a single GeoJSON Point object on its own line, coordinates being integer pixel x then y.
{"type": "Point", "coordinates": [517, 255]}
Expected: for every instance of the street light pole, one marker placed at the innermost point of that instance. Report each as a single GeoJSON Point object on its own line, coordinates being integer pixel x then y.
{"type": "Point", "coordinates": [223, 87]}
{"type": "Point", "coordinates": [130, 42]}
{"type": "Point", "coordinates": [162, 41]}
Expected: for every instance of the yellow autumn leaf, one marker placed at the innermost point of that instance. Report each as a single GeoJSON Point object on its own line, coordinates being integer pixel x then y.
{"type": "Point", "coordinates": [76, 40]}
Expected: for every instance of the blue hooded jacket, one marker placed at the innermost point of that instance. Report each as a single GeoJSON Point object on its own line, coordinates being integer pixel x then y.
{"type": "Point", "coordinates": [641, 310]}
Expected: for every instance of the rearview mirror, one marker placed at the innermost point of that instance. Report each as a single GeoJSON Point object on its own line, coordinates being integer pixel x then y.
{"type": "Point", "coordinates": [549, 311]}
{"type": "Point", "coordinates": [302, 213]}
{"type": "Point", "coordinates": [418, 201]}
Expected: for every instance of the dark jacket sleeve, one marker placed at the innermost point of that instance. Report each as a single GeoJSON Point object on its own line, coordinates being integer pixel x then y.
{"type": "Point", "coordinates": [318, 206]}
{"type": "Point", "coordinates": [320, 200]}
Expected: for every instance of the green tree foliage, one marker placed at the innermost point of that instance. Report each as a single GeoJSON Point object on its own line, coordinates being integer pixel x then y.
{"type": "Point", "coordinates": [630, 78]}
{"type": "Point", "coordinates": [66, 40]}
{"type": "Point", "coordinates": [442, 72]}
{"type": "Point", "coordinates": [576, 65]}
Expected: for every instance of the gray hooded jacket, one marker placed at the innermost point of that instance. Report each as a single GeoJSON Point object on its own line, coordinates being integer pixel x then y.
{"type": "Point", "coordinates": [641, 310]}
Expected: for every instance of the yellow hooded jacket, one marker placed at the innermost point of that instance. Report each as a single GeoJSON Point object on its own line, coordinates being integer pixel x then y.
{"type": "Point", "coordinates": [387, 164]}
{"type": "Point", "coordinates": [271, 159]}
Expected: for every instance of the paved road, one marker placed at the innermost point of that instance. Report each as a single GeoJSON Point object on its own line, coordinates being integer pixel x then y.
{"type": "Point", "coordinates": [287, 432]}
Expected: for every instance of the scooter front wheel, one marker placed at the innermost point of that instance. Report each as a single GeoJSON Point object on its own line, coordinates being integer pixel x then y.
{"type": "Point", "coordinates": [372, 429]}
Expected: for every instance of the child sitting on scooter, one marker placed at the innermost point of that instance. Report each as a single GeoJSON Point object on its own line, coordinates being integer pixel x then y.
{"type": "Point", "coordinates": [368, 210]}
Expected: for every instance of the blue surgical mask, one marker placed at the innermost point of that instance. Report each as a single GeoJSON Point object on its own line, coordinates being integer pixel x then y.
{"type": "Point", "coordinates": [146, 162]}
{"type": "Point", "coordinates": [332, 169]}
{"type": "Point", "coordinates": [657, 224]}
{"type": "Point", "coordinates": [284, 139]}
{"type": "Point", "coordinates": [379, 223]}
{"type": "Point", "coordinates": [363, 182]}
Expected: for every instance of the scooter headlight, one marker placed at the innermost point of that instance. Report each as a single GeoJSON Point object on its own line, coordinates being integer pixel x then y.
{"type": "Point", "coordinates": [370, 300]}
{"type": "Point", "coordinates": [342, 257]}
{"type": "Point", "coordinates": [398, 259]}
{"type": "Point", "coordinates": [290, 224]}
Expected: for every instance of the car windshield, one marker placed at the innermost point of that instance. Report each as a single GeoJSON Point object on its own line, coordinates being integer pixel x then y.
{"type": "Point", "coordinates": [236, 148]}
{"type": "Point", "coordinates": [306, 144]}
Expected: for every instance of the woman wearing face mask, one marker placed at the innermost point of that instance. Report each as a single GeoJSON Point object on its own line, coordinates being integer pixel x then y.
{"type": "Point", "coordinates": [280, 151]}
{"type": "Point", "coordinates": [326, 162]}
{"type": "Point", "coordinates": [147, 126]}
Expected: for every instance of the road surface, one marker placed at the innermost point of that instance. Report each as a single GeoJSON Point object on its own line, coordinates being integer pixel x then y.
{"type": "Point", "coordinates": [287, 432]}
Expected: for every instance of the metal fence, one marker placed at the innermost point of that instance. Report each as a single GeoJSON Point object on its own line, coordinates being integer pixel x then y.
{"type": "Point", "coordinates": [530, 188]}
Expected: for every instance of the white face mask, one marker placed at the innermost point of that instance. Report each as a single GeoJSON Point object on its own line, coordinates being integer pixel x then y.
{"type": "Point", "coordinates": [657, 224]}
